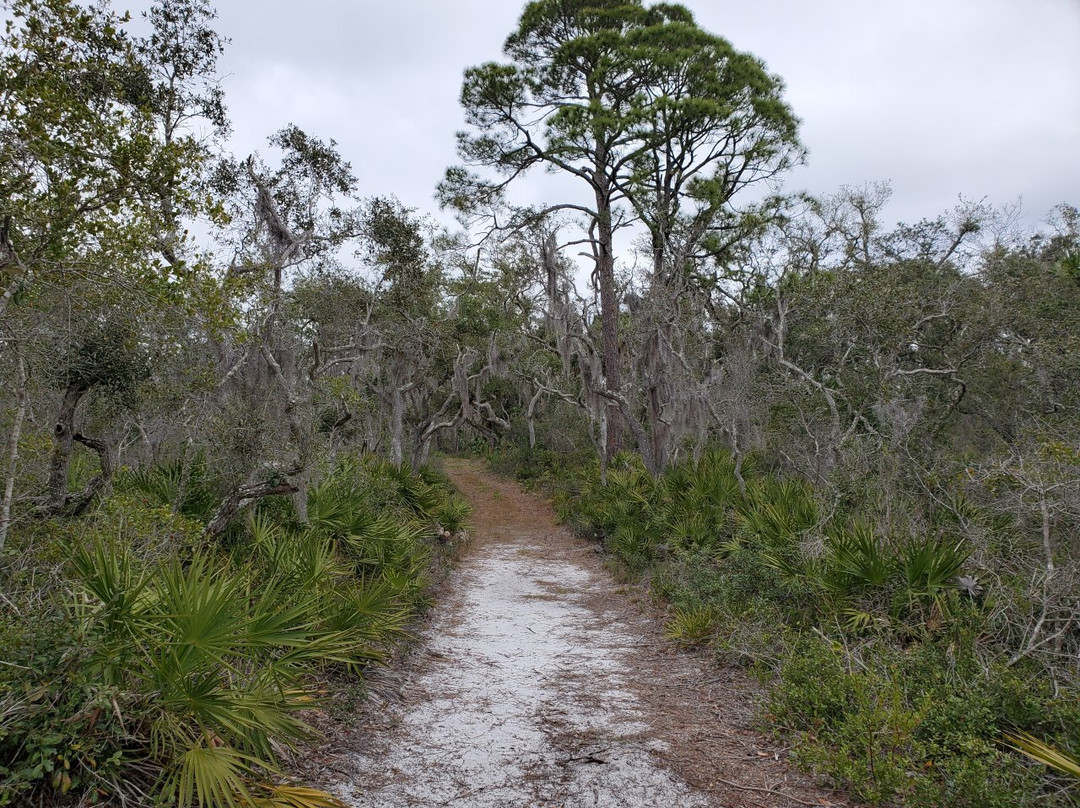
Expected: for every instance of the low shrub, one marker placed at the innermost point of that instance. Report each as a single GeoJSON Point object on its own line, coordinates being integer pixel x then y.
{"type": "Point", "coordinates": [158, 668]}
{"type": "Point", "coordinates": [889, 671]}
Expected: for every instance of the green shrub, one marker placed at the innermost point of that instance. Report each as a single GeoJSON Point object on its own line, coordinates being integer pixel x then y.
{"type": "Point", "coordinates": [691, 626]}
{"type": "Point", "coordinates": [539, 466]}
{"type": "Point", "coordinates": [889, 678]}
{"type": "Point", "coordinates": [453, 514]}
{"type": "Point", "coordinates": [184, 486]}
{"type": "Point", "coordinates": [917, 726]}
{"type": "Point", "coordinates": [151, 663]}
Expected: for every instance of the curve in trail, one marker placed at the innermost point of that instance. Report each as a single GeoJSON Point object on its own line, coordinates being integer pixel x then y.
{"type": "Point", "coordinates": [528, 685]}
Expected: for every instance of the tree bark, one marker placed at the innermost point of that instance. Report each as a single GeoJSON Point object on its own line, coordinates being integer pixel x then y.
{"type": "Point", "coordinates": [609, 304]}
{"type": "Point", "coordinates": [397, 426]}
{"type": "Point", "coordinates": [77, 503]}
{"type": "Point", "coordinates": [10, 291]}
{"type": "Point", "coordinates": [640, 434]}
{"type": "Point", "coordinates": [658, 395]}
{"type": "Point", "coordinates": [13, 452]}
{"type": "Point", "coordinates": [1048, 547]}
{"type": "Point", "coordinates": [242, 497]}
{"type": "Point", "coordinates": [300, 495]}
{"type": "Point", "coordinates": [530, 416]}
{"type": "Point", "coordinates": [63, 441]}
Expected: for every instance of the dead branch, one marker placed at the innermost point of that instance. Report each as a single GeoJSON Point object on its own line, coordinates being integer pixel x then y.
{"type": "Point", "coordinates": [242, 497]}
{"type": "Point", "coordinates": [76, 504]}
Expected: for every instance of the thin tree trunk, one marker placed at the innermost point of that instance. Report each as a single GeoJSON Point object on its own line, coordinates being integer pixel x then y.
{"type": "Point", "coordinates": [1048, 549]}
{"type": "Point", "coordinates": [421, 453]}
{"type": "Point", "coordinates": [300, 495]}
{"type": "Point", "coordinates": [185, 475]}
{"type": "Point", "coordinates": [13, 452]}
{"type": "Point", "coordinates": [658, 393]}
{"type": "Point", "coordinates": [10, 291]}
{"type": "Point", "coordinates": [530, 415]}
{"type": "Point", "coordinates": [397, 428]}
{"type": "Point", "coordinates": [75, 504]}
{"type": "Point", "coordinates": [602, 440]}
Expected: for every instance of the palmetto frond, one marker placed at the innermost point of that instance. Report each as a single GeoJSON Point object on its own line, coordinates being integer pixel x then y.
{"type": "Point", "coordinates": [209, 775]}
{"type": "Point", "coordinates": [286, 796]}
{"type": "Point", "coordinates": [856, 558]}
{"type": "Point", "coordinates": [220, 657]}
{"type": "Point", "coordinates": [691, 626]}
{"type": "Point", "coordinates": [1057, 759]}
{"type": "Point", "coordinates": [929, 566]}
{"type": "Point", "coordinates": [174, 484]}
{"type": "Point", "coordinates": [454, 513]}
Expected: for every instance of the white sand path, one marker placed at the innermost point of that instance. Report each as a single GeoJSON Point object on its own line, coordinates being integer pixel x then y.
{"type": "Point", "coordinates": [539, 683]}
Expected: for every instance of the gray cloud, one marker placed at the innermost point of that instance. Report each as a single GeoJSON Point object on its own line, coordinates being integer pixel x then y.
{"type": "Point", "coordinates": [940, 97]}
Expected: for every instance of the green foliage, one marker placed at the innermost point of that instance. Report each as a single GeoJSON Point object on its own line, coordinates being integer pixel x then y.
{"type": "Point", "coordinates": [878, 665]}
{"type": "Point", "coordinates": [857, 559]}
{"type": "Point", "coordinates": [106, 354]}
{"type": "Point", "coordinates": [930, 567]}
{"type": "Point", "coordinates": [165, 666]}
{"type": "Point", "coordinates": [913, 727]}
{"type": "Point", "coordinates": [777, 512]}
{"type": "Point", "coordinates": [691, 626]}
{"type": "Point", "coordinates": [690, 88]}
{"type": "Point", "coordinates": [208, 663]}
{"type": "Point", "coordinates": [179, 484]}
{"type": "Point", "coordinates": [310, 568]}
{"type": "Point", "coordinates": [544, 468]}
{"type": "Point", "coordinates": [74, 137]}
{"type": "Point", "coordinates": [872, 579]}
{"type": "Point", "coordinates": [633, 544]}
{"type": "Point", "coordinates": [453, 514]}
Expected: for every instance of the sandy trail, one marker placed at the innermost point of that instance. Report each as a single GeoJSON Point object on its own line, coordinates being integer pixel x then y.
{"type": "Point", "coordinates": [541, 682]}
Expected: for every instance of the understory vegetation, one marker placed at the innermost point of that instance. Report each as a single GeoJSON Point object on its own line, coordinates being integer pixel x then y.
{"type": "Point", "coordinates": [897, 648]}
{"type": "Point", "coordinates": [148, 664]}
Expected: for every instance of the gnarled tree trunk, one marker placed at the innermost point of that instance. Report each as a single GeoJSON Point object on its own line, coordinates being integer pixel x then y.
{"type": "Point", "coordinates": [63, 443]}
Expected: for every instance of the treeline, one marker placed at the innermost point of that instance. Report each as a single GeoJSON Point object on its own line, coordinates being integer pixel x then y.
{"type": "Point", "coordinates": [843, 448]}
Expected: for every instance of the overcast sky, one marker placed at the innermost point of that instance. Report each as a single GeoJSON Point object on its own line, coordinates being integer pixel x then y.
{"type": "Point", "coordinates": [942, 98]}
